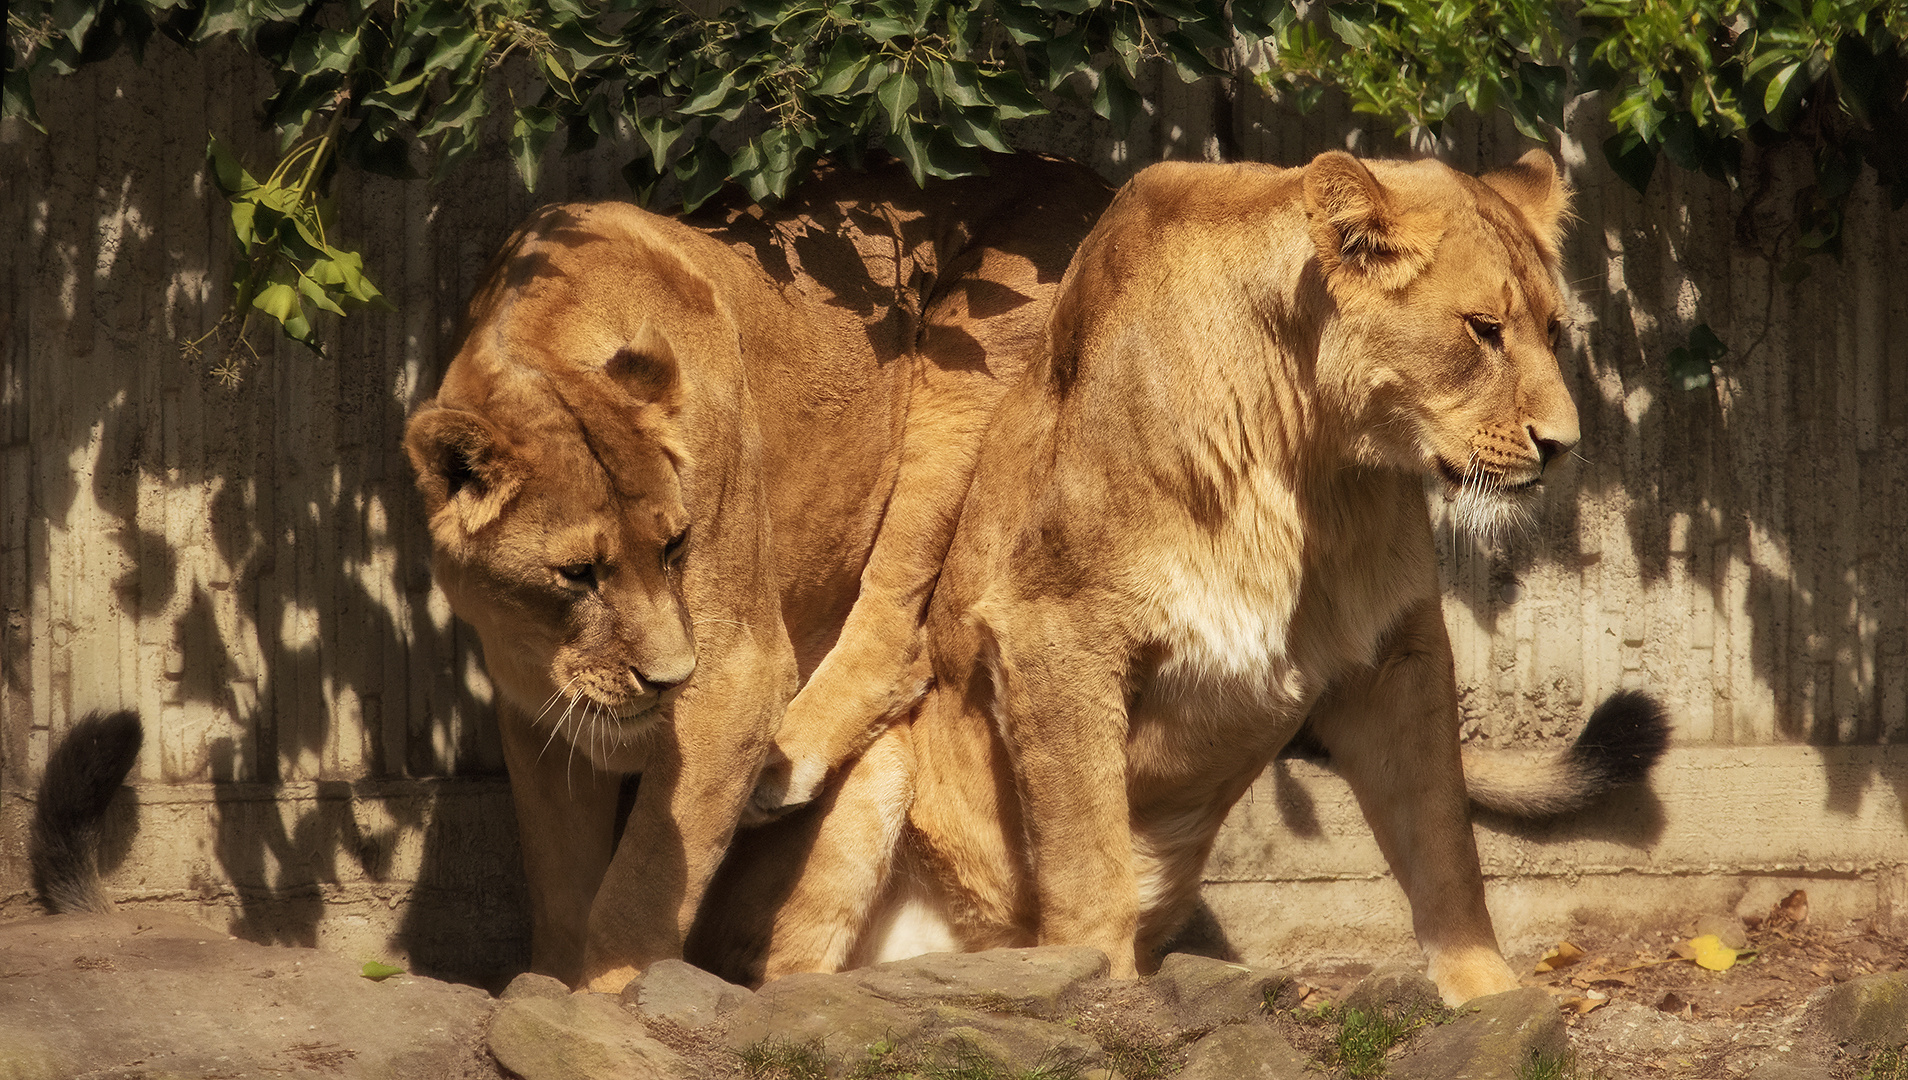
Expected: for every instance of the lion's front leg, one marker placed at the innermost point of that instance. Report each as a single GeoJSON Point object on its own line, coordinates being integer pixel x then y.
{"type": "Point", "coordinates": [566, 823]}
{"type": "Point", "coordinates": [1060, 706]}
{"type": "Point", "coordinates": [1392, 731]}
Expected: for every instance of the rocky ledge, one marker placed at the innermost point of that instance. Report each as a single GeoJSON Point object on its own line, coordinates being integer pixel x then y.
{"type": "Point", "coordinates": [94, 997]}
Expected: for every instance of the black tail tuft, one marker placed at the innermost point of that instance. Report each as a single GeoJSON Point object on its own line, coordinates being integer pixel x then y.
{"type": "Point", "coordinates": [82, 775]}
{"type": "Point", "coordinates": [1625, 737]}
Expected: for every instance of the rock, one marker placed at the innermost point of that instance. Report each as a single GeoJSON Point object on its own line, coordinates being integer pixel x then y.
{"type": "Point", "coordinates": [831, 1011]}
{"type": "Point", "coordinates": [1021, 1044]}
{"type": "Point", "coordinates": [1869, 1011]}
{"type": "Point", "coordinates": [1203, 992]}
{"type": "Point", "coordinates": [579, 1037]}
{"type": "Point", "coordinates": [1036, 982]}
{"type": "Point", "coordinates": [682, 994]}
{"type": "Point", "coordinates": [1244, 1052]}
{"type": "Point", "coordinates": [530, 984]}
{"type": "Point", "coordinates": [1491, 1039]}
{"type": "Point", "coordinates": [1400, 988]}
{"type": "Point", "coordinates": [1727, 928]}
{"type": "Point", "coordinates": [134, 993]}
{"type": "Point", "coordinates": [1642, 1031]}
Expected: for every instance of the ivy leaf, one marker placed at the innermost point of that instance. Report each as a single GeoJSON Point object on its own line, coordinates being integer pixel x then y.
{"type": "Point", "coordinates": [956, 82]}
{"type": "Point", "coordinates": [844, 69]}
{"type": "Point", "coordinates": [17, 98]}
{"type": "Point", "coordinates": [1066, 54]}
{"type": "Point", "coordinates": [1010, 97]}
{"type": "Point", "coordinates": [280, 301]}
{"type": "Point", "coordinates": [226, 170]}
{"type": "Point", "coordinates": [1116, 99]}
{"type": "Point", "coordinates": [316, 293]}
{"type": "Point", "coordinates": [659, 133]}
{"type": "Point", "coordinates": [1024, 25]}
{"type": "Point", "coordinates": [702, 172]}
{"type": "Point", "coordinates": [465, 107]}
{"type": "Point", "coordinates": [528, 136]}
{"type": "Point", "coordinates": [715, 94]}
{"type": "Point", "coordinates": [1778, 90]}
{"type": "Point", "coordinates": [897, 95]}
{"type": "Point", "coordinates": [323, 50]}
{"type": "Point", "coordinates": [1353, 34]}
{"type": "Point", "coordinates": [1632, 159]}
{"type": "Point", "coordinates": [974, 127]}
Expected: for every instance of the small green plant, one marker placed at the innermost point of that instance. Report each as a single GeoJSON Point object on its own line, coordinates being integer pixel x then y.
{"type": "Point", "coordinates": [1548, 1067]}
{"type": "Point", "coordinates": [1269, 997]}
{"type": "Point", "coordinates": [1363, 1038]}
{"type": "Point", "coordinates": [771, 1060]}
{"type": "Point", "coordinates": [1889, 1063]}
{"type": "Point", "coordinates": [1139, 1054]}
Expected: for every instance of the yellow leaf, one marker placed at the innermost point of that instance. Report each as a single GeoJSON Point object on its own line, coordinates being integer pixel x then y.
{"type": "Point", "coordinates": [1711, 953]}
{"type": "Point", "coordinates": [1564, 955]}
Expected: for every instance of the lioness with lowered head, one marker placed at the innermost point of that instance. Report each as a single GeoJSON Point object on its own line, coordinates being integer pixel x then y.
{"type": "Point", "coordinates": [1199, 523]}
{"type": "Point", "coordinates": [674, 470]}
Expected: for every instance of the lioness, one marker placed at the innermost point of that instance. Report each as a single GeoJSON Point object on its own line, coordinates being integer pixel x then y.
{"type": "Point", "coordinates": [1198, 523]}
{"type": "Point", "coordinates": [670, 461]}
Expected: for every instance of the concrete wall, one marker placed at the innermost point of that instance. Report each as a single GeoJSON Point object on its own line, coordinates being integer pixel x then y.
{"type": "Point", "coordinates": [246, 564]}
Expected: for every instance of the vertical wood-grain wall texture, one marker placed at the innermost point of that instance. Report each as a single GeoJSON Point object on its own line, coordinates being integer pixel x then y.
{"type": "Point", "coordinates": [246, 564]}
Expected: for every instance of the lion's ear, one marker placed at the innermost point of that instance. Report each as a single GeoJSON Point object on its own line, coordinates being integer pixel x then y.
{"type": "Point", "coordinates": [462, 464]}
{"type": "Point", "coordinates": [647, 368]}
{"type": "Point", "coordinates": [1539, 193]}
{"type": "Point", "coordinates": [1356, 228]}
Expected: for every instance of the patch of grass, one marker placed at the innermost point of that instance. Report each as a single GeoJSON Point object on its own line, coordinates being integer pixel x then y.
{"type": "Point", "coordinates": [1548, 1067]}
{"type": "Point", "coordinates": [771, 1060]}
{"type": "Point", "coordinates": [958, 1061]}
{"type": "Point", "coordinates": [1888, 1063]}
{"type": "Point", "coordinates": [1269, 997]}
{"type": "Point", "coordinates": [1140, 1053]}
{"type": "Point", "coordinates": [1363, 1038]}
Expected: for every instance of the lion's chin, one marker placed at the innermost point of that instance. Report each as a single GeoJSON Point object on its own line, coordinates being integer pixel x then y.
{"type": "Point", "coordinates": [1487, 508]}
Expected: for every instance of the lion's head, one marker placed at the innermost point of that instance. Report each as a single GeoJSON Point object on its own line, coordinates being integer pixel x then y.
{"type": "Point", "coordinates": [552, 467]}
{"type": "Point", "coordinates": [1443, 357]}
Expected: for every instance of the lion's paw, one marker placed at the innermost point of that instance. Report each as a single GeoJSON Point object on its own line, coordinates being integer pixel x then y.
{"type": "Point", "coordinates": [783, 786]}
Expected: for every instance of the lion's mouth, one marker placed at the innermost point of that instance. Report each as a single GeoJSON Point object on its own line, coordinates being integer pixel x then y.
{"type": "Point", "coordinates": [1481, 481]}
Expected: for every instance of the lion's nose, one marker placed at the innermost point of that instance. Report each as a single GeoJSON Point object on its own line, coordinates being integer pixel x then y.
{"type": "Point", "coordinates": [1548, 445]}
{"type": "Point", "coordinates": [664, 678]}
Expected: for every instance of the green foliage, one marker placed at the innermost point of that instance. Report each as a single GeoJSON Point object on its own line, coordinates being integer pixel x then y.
{"type": "Point", "coordinates": [756, 93]}
{"type": "Point", "coordinates": [1546, 1067]}
{"type": "Point", "coordinates": [378, 971]}
{"type": "Point", "coordinates": [1358, 1047]}
{"type": "Point", "coordinates": [784, 1061]}
{"type": "Point", "coordinates": [1888, 1063]}
{"type": "Point", "coordinates": [1690, 80]}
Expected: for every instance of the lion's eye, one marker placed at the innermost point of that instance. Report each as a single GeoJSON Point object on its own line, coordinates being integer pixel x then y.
{"type": "Point", "coordinates": [1488, 330]}
{"type": "Point", "coordinates": [579, 574]}
{"type": "Point", "coordinates": [673, 551]}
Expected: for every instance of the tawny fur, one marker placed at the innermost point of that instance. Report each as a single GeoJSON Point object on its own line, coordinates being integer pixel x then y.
{"type": "Point", "coordinates": [1199, 522]}
{"type": "Point", "coordinates": [675, 469]}
{"type": "Point", "coordinates": [83, 773]}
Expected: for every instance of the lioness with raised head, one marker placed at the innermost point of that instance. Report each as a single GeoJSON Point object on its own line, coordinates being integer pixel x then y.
{"type": "Point", "coordinates": [674, 470]}
{"type": "Point", "coordinates": [1201, 522]}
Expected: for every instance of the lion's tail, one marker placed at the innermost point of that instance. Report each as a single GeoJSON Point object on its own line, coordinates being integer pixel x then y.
{"type": "Point", "coordinates": [82, 775]}
{"type": "Point", "coordinates": [1623, 740]}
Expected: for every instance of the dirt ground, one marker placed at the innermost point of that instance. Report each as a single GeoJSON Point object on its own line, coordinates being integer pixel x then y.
{"type": "Point", "coordinates": [1640, 1006]}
